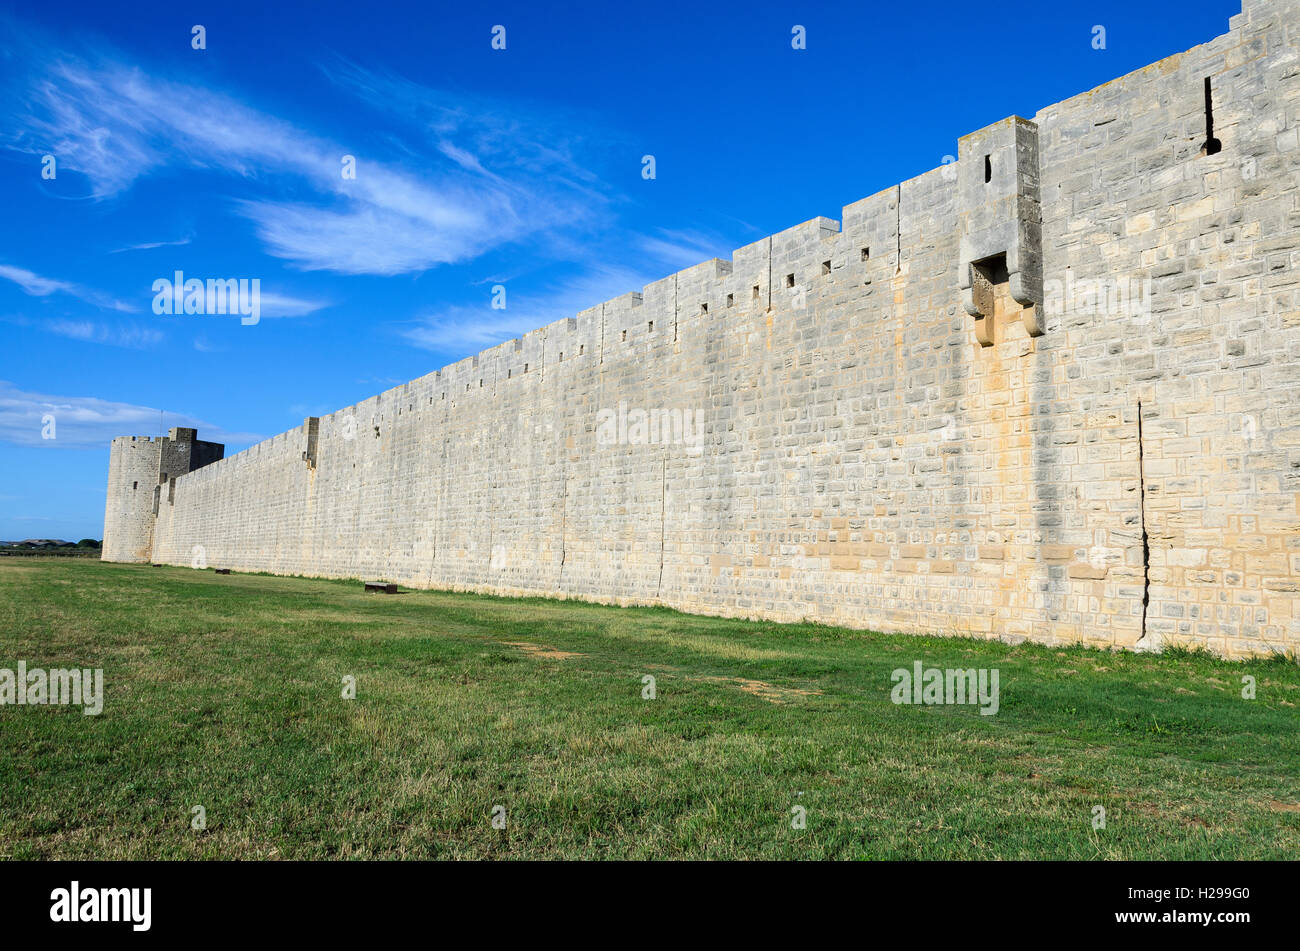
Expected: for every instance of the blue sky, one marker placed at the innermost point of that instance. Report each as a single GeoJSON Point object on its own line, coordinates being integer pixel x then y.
{"type": "Point", "coordinates": [474, 167]}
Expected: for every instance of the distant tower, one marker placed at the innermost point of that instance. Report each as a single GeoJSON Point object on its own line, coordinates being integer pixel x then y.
{"type": "Point", "coordinates": [138, 469]}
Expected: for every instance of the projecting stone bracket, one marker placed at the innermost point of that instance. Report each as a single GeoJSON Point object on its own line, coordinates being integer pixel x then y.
{"type": "Point", "coordinates": [1001, 222]}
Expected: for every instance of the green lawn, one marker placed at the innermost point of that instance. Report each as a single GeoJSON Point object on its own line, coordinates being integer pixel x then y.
{"type": "Point", "coordinates": [225, 692]}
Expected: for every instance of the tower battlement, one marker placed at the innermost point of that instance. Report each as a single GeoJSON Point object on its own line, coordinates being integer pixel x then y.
{"type": "Point", "coordinates": [141, 475]}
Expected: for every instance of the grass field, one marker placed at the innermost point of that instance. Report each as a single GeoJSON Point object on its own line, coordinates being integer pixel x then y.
{"type": "Point", "coordinates": [225, 692]}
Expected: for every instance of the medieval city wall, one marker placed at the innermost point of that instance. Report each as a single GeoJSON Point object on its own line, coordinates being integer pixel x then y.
{"type": "Point", "coordinates": [864, 458]}
{"type": "Point", "coordinates": [129, 507]}
{"type": "Point", "coordinates": [141, 475]}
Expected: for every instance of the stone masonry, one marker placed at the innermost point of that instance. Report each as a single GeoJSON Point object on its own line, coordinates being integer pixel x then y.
{"type": "Point", "coordinates": [142, 472]}
{"type": "Point", "coordinates": [1051, 391]}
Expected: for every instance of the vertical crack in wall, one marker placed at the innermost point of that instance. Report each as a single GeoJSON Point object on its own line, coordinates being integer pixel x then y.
{"type": "Point", "coordinates": [898, 230]}
{"type": "Point", "coordinates": [564, 518]}
{"type": "Point", "coordinates": [676, 313]}
{"type": "Point", "coordinates": [769, 274]}
{"type": "Point", "coordinates": [1146, 541]}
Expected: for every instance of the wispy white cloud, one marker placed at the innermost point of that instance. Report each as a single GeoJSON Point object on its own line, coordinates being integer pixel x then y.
{"type": "Point", "coordinates": [461, 330]}
{"type": "Point", "coordinates": [150, 245]}
{"type": "Point", "coordinates": [682, 249]}
{"type": "Point", "coordinates": [462, 175]}
{"type": "Point", "coordinates": [33, 283]}
{"type": "Point", "coordinates": [479, 178]}
{"type": "Point", "coordinates": [384, 382]}
{"type": "Point", "coordinates": [39, 286]}
{"type": "Point", "coordinates": [303, 410]}
{"type": "Point", "coordinates": [373, 239]}
{"type": "Point", "coordinates": [281, 305]}
{"type": "Point", "coordinates": [514, 143]}
{"type": "Point", "coordinates": [84, 422]}
{"type": "Point", "coordinates": [270, 304]}
{"type": "Point", "coordinates": [117, 335]}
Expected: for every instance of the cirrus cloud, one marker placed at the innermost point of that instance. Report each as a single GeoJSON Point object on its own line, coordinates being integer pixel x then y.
{"type": "Point", "coordinates": [86, 422]}
{"type": "Point", "coordinates": [470, 184]}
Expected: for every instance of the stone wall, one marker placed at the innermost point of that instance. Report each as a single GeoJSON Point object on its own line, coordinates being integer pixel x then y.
{"type": "Point", "coordinates": [1047, 391]}
{"type": "Point", "coordinates": [129, 508]}
{"type": "Point", "coordinates": [141, 476]}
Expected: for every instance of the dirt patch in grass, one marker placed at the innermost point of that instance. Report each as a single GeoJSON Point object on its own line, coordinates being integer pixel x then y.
{"type": "Point", "coordinates": [1278, 806]}
{"type": "Point", "coordinates": [541, 650]}
{"type": "Point", "coordinates": [761, 688]}
{"type": "Point", "coordinates": [756, 688]}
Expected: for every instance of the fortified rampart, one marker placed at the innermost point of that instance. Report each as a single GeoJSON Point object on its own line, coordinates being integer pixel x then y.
{"type": "Point", "coordinates": [142, 472]}
{"type": "Point", "coordinates": [1051, 390]}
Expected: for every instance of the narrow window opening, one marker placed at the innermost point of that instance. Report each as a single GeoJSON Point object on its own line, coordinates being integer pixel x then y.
{"type": "Point", "coordinates": [525, 367]}
{"type": "Point", "coordinates": [704, 308]}
{"type": "Point", "coordinates": [866, 254]}
{"type": "Point", "coordinates": [624, 335]}
{"type": "Point", "coordinates": [731, 299]}
{"type": "Point", "coordinates": [134, 486]}
{"type": "Point", "coordinates": [650, 326]}
{"type": "Point", "coordinates": [581, 348]}
{"type": "Point", "coordinates": [755, 292]}
{"type": "Point", "coordinates": [988, 169]}
{"type": "Point", "coordinates": [561, 356]}
{"type": "Point", "coordinates": [1212, 145]}
{"type": "Point", "coordinates": [826, 268]}
{"type": "Point", "coordinates": [508, 373]}
{"type": "Point", "coordinates": [789, 280]}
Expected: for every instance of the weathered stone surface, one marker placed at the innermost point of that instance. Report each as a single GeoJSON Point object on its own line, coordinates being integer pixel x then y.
{"type": "Point", "coordinates": [863, 460]}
